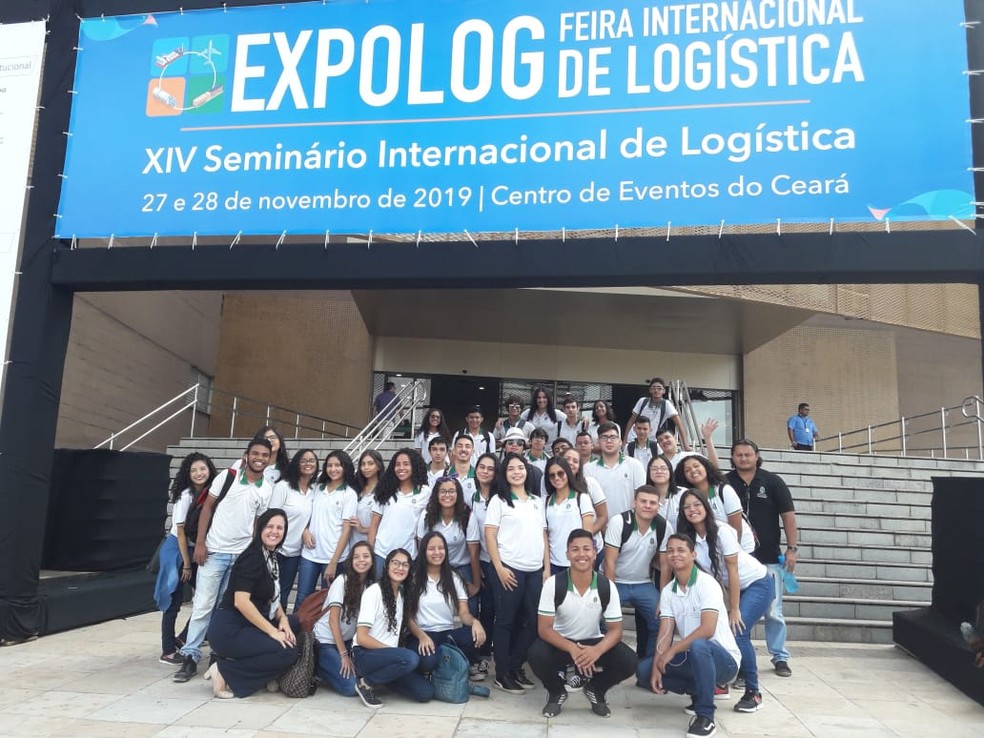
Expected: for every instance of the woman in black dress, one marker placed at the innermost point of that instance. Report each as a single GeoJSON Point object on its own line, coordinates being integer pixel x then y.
{"type": "Point", "coordinates": [250, 629]}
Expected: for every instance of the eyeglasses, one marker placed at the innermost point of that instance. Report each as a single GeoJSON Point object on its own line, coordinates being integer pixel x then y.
{"type": "Point", "coordinates": [557, 475]}
{"type": "Point", "coordinates": [514, 404]}
{"type": "Point", "coordinates": [432, 416]}
{"type": "Point", "coordinates": [447, 492]}
{"type": "Point", "coordinates": [394, 564]}
{"type": "Point", "coordinates": [695, 506]}
{"type": "Point", "coordinates": [608, 437]}
{"type": "Point", "coordinates": [271, 438]}
{"type": "Point", "coordinates": [659, 470]}
{"type": "Point", "coordinates": [308, 462]}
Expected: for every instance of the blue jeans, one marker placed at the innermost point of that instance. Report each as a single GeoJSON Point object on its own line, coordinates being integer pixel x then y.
{"type": "Point", "coordinates": [775, 623]}
{"type": "Point", "coordinates": [308, 575]}
{"type": "Point", "coordinates": [645, 598]}
{"type": "Point", "coordinates": [515, 618]}
{"type": "Point", "coordinates": [379, 562]}
{"type": "Point", "coordinates": [210, 584]}
{"type": "Point", "coordinates": [694, 672]}
{"type": "Point", "coordinates": [753, 603]}
{"type": "Point", "coordinates": [465, 573]}
{"type": "Point", "coordinates": [288, 573]}
{"type": "Point", "coordinates": [330, 666]}
{"type": "Point", "coordinates": [462, 637]}
{"type": "Point", "coordinates": [486, 607]}
{"type": "Point", "coordinates": [394, 667]}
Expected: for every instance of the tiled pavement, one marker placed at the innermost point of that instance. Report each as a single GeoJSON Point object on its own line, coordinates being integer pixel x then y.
{"type": "Point", "coordinates": [105, 680]}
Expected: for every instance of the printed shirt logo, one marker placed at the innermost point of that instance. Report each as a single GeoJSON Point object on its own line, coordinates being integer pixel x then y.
{"type": "Point", "coordinates": [187, 75]}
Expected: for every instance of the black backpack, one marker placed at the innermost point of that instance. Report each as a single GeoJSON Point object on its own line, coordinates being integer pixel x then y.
{"type": "Point", "coordinates": [654, 448]}
{"type": "Point", "coordinates": [628, 523]}
{"type": "Point", "coordinates": [195, 513]}
{"type": "Point", "coordinates": [560, 590]}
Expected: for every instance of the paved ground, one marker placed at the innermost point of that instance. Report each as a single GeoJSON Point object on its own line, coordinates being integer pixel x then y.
{"type": "Point", "coordinates": [105, 680]}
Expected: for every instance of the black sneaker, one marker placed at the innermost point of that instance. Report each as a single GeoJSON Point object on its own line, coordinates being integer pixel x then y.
{"type": "Point", "coordinates": [554, 704]}
{"type": "Point", "coordinates": [782, 669]}
{"type": "Point", "coordinates": [522, 680]}
{"type": "Point", "coordinates": [508, 684]}
{"type": "Point", "coordinates": [367, 694]}
{"type": "Point", "coordinates": [691, 709]}
{"type": "Point", "coordinates": [750, 702]}
{"type": "Point", "coordinates": [188, 669]}
{"type": "Point", "coordinates": [739, 682]}
{"type": "Point", "coordinates": [173, 659]}
{"type": "Point", "coordinates": [597, 699]}
{"type": "Point", "coordinates": [701, 727]}
{"type": "Point", "coordinates": [483, 668]}
{"type": "Point", "coordinates": [575, 682]}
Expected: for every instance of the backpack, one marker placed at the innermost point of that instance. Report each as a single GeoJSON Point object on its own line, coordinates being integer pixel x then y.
{"type": "Point", "coordinates": [312, 609]}
{"type": "Point", "coordinates": [450, 676]}
{"type": "Point", "coordinates": [628, 523]}
{"type": "Point", "coordinates": [560, 590]}
{"type": "Point", "coordinates": [485, 437]}
{"type": "Point", "coordinates": [654, 448]}
{"type": "Point", "coordinates": [298, 680]}
{"type": "Point", "coordinates": [195, 513]}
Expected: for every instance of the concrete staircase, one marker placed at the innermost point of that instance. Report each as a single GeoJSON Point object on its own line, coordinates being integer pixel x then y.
{"type": "Point", "coordinates": [864, 522]}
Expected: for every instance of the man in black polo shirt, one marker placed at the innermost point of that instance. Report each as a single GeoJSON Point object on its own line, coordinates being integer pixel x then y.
{"type": "Point", "coordinates": [766, 500]}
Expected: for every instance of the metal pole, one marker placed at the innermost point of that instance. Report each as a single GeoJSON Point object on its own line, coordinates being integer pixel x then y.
{"type": "Point", "coordinates": [232, 426]}
{"type": "Point", "coordinates": [980, 440]}
{"type": "Point", "coordinates": [268, 415]}
{"type": "Point", "coordinates": [943, 428]}
{"type": "Point", "coordinates": [322, 430]}
{"type": "Point", "coordinates": [297, 425]}
{"type": "Point", "coordinates": [840, 442]}
{"type": "Point", "coordinates": [113, 436]}
{"type": "Point", "coordinates": [902, 421]}
{"type": "Point", "coordinates": [194, 412]}
{"type": "Point", "coordinates": [869, 440]}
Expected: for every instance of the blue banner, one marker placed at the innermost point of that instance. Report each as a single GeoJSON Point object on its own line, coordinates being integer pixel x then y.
{"type": "Point", "coordinates": [447, 115]}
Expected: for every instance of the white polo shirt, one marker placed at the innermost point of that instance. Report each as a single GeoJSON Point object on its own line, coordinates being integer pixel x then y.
{"type": "Point", "coordinates": [519, 531]}
{"type": "Point", "coordinates": [619, 482]}
{"type": "Point", "coordinates": [433, 476]}
{"type": "Point", "coordinates": [335, 598]}
{"type": "Point", "coordinates": [480, 508]}
{"type": "Point", "coordinates": [579, 615]}
{"type": "Point", "coordinates": [422, 442]}
{"type": "Point", "coordinates": [329, 513]}
{"type": "Point", "coordinates": [724, 502]}
{"type": "Point", "coordinates": [398, 522]}
{"type": "Point", "coordinates": [363, 512]}
{"type": "Point", "coordinates": [180, 511]}
{"type": "Point", "coordinates": [372, 614]}
{"type": "Point", "coordinates": [636, 555]}
{"type": "Point", "coordinates": [569, 432]}
{"type": "Point", "coordinates": [562, 519]}
{"type": "Point", "coordinates": [685, 605]}
{"type": "Point", "coordinates": [545, 421]}
{"type": "Point", "coordinates": [656, 417]}
{"type": "Point", "coordinates": [433, 613]}
{"type": "Point", "coordinates": [483, 443]}
{"type": "Point", "coordinates": [457, 539]}
{"type": "Point", "coordinates": [669, 507]}
{"type": "Point", "coordinates": [234, 519]}
{"type": "Point", "coordinates": [297, 505]}
{"type": "Point", "coordinates": [679, 456]}
{"type": "Point", "coordinates": [750, 569]}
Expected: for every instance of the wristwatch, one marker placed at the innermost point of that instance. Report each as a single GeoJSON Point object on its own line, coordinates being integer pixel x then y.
{"type": "Point", "coordinates": [794, 549]}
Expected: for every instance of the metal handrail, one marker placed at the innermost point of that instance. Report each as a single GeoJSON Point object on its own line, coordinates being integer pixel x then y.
{"type": "Point", "coordinates": [970, 408]}
{"type": "Point", "coordinates": [327, 426]}
{"type": "Point", "coordinates": [681, 397]}
{"type": "Point", "coordinates": [380, 428]}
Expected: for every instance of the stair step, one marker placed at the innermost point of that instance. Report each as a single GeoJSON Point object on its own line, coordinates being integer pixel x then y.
{"type": "Point", "coordinates": [863, 537]}
{"type": "Point", "coordinates": [844, 608]}
{"type": "Point", "coordinates": [868, 589]}
{"type": "Point", "coordinates": [828, 505]}
{"type": "Point", "coordinates": [840, 630]}
{"type": "Point", "coordinates": [865, 570]}
{"type": "Point", "coordinates": [920, 556]}
{"type": "Point", "coordinates": [853, 521]}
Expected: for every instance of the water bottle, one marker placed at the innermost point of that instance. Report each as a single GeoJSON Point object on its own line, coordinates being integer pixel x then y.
{"type": "Point", "coordinates": [788, 578]}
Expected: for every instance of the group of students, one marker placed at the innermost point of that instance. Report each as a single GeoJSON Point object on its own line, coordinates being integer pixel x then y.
{"type": "Point", "coordinates": [513, 555]}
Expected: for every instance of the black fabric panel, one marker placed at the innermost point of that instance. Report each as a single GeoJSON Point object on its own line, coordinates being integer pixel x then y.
{"type": "Point", "coordinates": [74, 601]}
{"type": "Point", "coordinates": [958, 553]}
{"type": "Point", "coordinates": [39, 338]}
{"type": "Point", "coordinates": [936, 641]}
{"type": "Point", "coordinates": [107, 509]}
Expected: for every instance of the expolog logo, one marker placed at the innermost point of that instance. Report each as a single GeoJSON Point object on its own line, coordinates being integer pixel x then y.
{"type": "Point", "coordinates": [187, 75]}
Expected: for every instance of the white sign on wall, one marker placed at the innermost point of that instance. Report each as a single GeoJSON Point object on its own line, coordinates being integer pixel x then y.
{"type": "Point", "coordinates": [21, 50]}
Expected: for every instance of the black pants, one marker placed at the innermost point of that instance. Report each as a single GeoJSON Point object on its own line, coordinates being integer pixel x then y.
{"type": "Point", "coordinates": [548, 662]}
{"type": "Point", "coordinates": [250, 658]}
